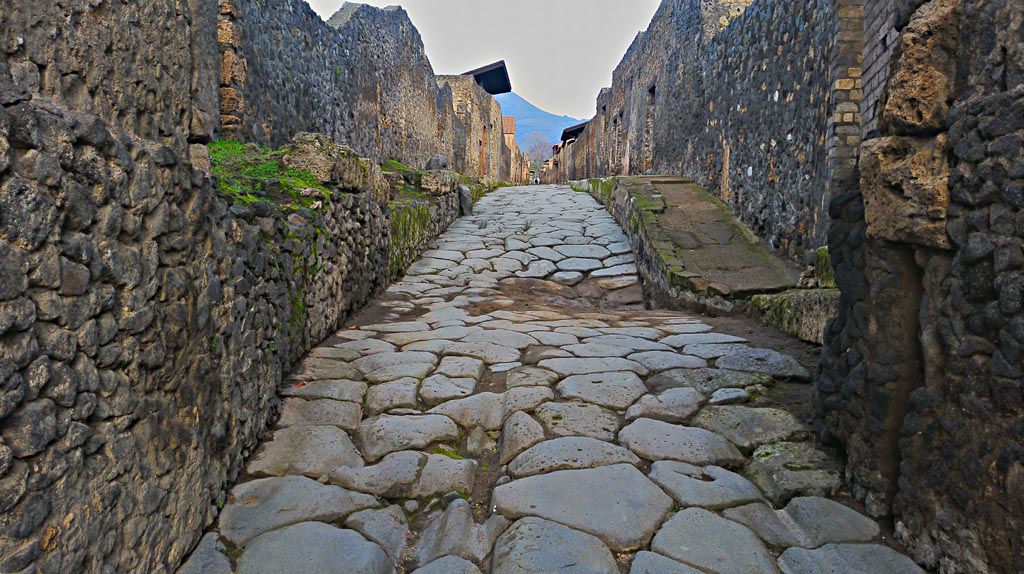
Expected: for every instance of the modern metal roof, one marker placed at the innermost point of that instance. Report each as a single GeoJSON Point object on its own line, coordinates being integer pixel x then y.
{"type": "Point", "coordinates": [573, 131]}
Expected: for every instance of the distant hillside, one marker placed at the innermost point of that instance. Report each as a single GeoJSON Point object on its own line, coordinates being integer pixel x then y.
{"type": "Point", "coordinates": [530, 118]}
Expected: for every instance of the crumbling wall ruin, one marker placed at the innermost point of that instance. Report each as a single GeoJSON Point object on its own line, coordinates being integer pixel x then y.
{"type": "Point", "coordinates": [362, 77]}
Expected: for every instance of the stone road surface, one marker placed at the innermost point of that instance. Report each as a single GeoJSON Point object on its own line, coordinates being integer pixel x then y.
{"type": "Point", "coordinates": [512, 410]}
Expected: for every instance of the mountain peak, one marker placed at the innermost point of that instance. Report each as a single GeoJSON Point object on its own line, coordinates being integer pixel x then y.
{"type": "Point", "coordinates": [530, 118]}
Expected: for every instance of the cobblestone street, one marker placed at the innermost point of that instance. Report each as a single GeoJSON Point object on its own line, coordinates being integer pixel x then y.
{"type": "Point", "coordinates": [510, 407]}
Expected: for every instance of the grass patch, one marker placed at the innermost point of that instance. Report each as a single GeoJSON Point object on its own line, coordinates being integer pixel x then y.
{"type": "Point", "coordinates": [250, 174]}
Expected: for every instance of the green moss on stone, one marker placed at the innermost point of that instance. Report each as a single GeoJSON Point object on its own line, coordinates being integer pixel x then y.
{"type": "Point", "coordinates": [249, 173]}
{"type": "Point", "coordinates": [823, 270]}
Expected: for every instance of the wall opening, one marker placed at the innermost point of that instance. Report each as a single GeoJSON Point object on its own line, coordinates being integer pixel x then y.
{"type": "Point", "coordinates": [648, 151]}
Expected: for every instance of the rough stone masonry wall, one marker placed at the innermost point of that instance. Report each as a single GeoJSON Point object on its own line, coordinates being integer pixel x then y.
{"type": "Point", "coordinates": [922, 372]}
{"type": "Point", "coordinates": [145, 320]}
{"type": "Point", "coordinates": [363, 78]}
{"type": "Point", "coordinates": [756, 101]}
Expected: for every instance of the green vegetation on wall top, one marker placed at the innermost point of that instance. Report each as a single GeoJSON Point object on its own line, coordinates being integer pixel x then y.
{"type": "Point", "coordinates": [251, 174]}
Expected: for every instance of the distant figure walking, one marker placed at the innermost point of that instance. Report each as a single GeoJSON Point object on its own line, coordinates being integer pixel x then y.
{"type": "Point", "coordinates": [536, 181]}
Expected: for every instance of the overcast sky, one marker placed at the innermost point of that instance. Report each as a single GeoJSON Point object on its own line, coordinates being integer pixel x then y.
{"type": "Point", "coordinates": [560, 53]}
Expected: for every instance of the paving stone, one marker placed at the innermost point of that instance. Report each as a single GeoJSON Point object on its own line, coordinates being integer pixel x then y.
{"type": "Point", "coordinates": [594, 350]}
{"type": "Point", "coordinates": [619, 260]}
{"type": "Point", "coordinates": [521, 256]}
{"type": "Point", "coordinates": [626, 296]}
{"type": "Point", "coordinates": [530, 377]}
{"type": "Point", "coordinates": [385, 434]}
{"type": "Point", "coordinates": [569, 453]}
{"type": "Point", "coordinates": [446, 255]}
{"type": "Point", "coordinates": [579, 264]}
{"type": "Point", "coordinates": [505, 264]}
{"type": "Point", "coordinates": [578, 419]}
{"type": "Point", "coordinates": [634, 344]}
{"type": "Point", "coordinates": [519, 433]}
{"type": "Point", "coordinates": [671, 406]}
{"type": "Point", "coordinates": [628, 269]}
{"type": "Point", "coordinates": [848, 559]}
{"type": "Point", "coordinates": [440, 388]}
{"type": "Point", "coordinates": [711, 487]}
{"type": "Point", "coordinates": [546, 253]}
{"type": "Point", "coordinates": [338, 390]}
{"type": "Point", "coordinates": [311, 451]}
{"type": "Point", "coordinates": [394, 395]}
{"type": "Point", "coordinates": [449, 565]}
{"type": "Point", "coordinates": [651, 563]}
{"type": "Point", "coordinates": [454, 533]}
{"type": "Point", "coordinates": [729, 396]}
{"type": "Point", "coordinates": [208, 558]}
{"type": "Point", "coordinates": [657, 440]}
{"type": "Point", "coordinates": [749, 428]}
{"type": "Point", "coordinates": [267, 504]}
{"type": "Point", "coordinates": [394, 476]}
{"type": "Point", "coordinates": [613, 390]}
{"type": "Point", "coordinates": [713, 350]}
{"type": "Point", "coordinates": [568, 278]}
{"type": "Point", "coordinates": [594, 365]}
{"type": "Point", "coordinates": [480, 410]}
{"type": "Point", "coordinates": [334, 354]}
{"type": "Point", "coordinates": [808, 522]}
{"type": "Point", "coordinates": [387, 528]}
{"type": "Point", "coordinates": [765, 361]}
{"type": "Point", "coordinates": [612, 283]}
{"type": "Point", "coordinates": [538, 269]}
{"type": "Point", "coordinates": [709, 542]}
{"type": "Point", "coordinates": [489, 353]}
{"type": "Point", "coordinates": [480, 443]}
{"type": "Point", "coordinates": [555, 339]}
{"type": "Point", "coordinates": [321, 369]}
{"type": "Point", "coordinates": [443, 474]}
{"type": "Point", "coordinates": [618, 504]}
{"type": "Point", "coordinates": [788, 469]}
{"type": "Point", "coordinates": [657, 361]}
{"type": "Point", "coordinates": [397, 327]}
{"type": "Point", "coordinates": [318, 412]}
{"type": "Point", "coordinates": [583, 251]}
{"type": "Point", "coordinates": [524, 399]}
{"type": "Point", "coordinates": [707, 381]}
{"type": "Point", "coordinates": [679, 341]}
{"type": "Point", "coordinates": [372, 363]}
{"type": "Point", "coordinates": [510, 339]}
{"type": "Point", "coordinates": [449, 333]}
{"type": "Point", "coordinates": [368, 346]}
{"type": "Point", "coordinates": [395, 372]}
{"type": "Point", "coordinates": [314, 547]}
{"type": "Point", "coordinates": [619, 248]}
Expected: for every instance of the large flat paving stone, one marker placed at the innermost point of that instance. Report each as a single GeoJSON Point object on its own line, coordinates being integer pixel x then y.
{"type": "Point", "coordinates": [657, 440]}
{"type": "Point", "coordinates": [749, 428]}
{"type": "Point", "coordinates": [388, 528]}
{"type": "Point", "coordinates": [707, 381]}
{"type": "Point", "coordinates": [579, 419]}
{"type": "Point", "coordinates": [680, 341]}
{"type": "Point", "coordinates": [520, 432]}
{"type": "Point", "coordinates": [208, 558]}
{"type": "Point", "coordinates": [385, 434]}
{"type": "Point", "coordinates": [657, 361]}
{"type": "Point", "coordinates": [267, 504]}
{"type": "Point", "coordinates": [613, 390]}
{"type": "Point", "coordinates": [335, 389]}
{"type": "Point", "coordinates": [764, 361]}
{"type": "Point", "coordinates": [454, 533]}
{"type": "Point", "coordinates": [569, 453]}
{"type": "Point", "coordinates": [788, 469]}
{"type": "Point", "coordinates": [449, 565]}
{"type": "Point", "coordinates": [311, 451]}
{"type": "Point", "coordinates": [711, 543]}
{"type": "Point", "coordinates": [319, 412]}
{"type": "Point", "coordinates": [314, 547]}
{"type": "Point", "coordinates": [618, 504]}
{"type": "Point", "coordinates": [808, 522]}
{"type": "Point", "coordinates": [537, 546]}
{"type": "Point", "coordinates": [592, 365]}
{"type": "Point", "coordinates": [671, 406]}
{"type": "Point", "coordinates": [651, 563]}
{"type": "Point", "coordinates": [847, 559]}
{"type": "Point", "coordinates": [711, 487]}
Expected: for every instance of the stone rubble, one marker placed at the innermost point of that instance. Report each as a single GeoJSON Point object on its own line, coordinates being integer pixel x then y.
{"type": "Point", "coordinates": [476, 427]}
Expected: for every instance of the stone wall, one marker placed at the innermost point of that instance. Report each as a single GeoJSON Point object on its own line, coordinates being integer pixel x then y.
{"type": "Point", "coordinates": [146, 319]}
{"type": "Point", "coordinates": [921, 374]}
{"type": "Point", "coordinates": [757, 101]}
{"type": "Point", "coordinates": [362, 78]}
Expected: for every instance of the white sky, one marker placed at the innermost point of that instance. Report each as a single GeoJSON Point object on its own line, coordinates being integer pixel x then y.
{"type": "Point", "coordinates": [560, 53]}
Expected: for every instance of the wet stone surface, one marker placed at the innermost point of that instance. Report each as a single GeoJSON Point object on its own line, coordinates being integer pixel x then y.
{"type": "Point", "coordinates": [509, 407]}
